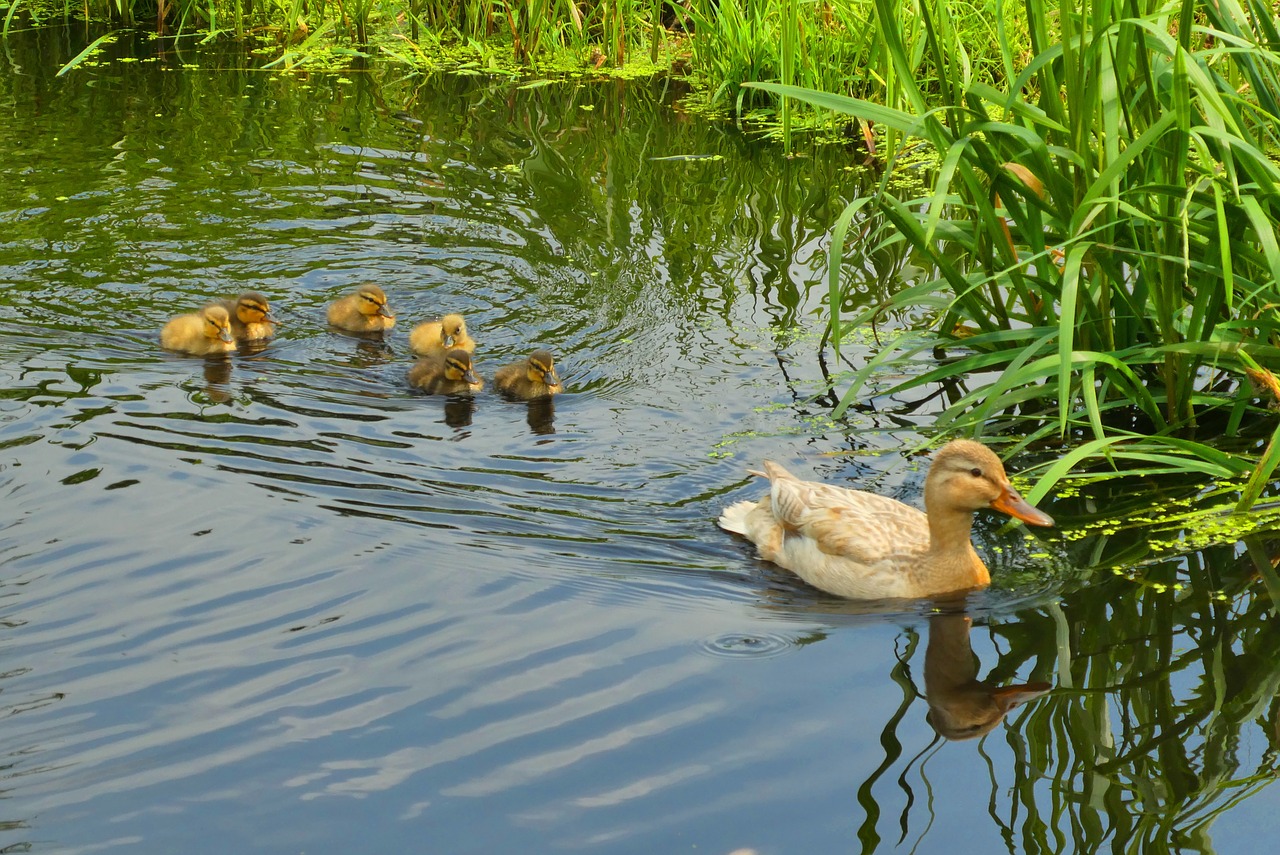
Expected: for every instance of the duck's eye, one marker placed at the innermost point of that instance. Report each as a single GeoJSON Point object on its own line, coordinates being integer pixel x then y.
{"type": "Point", "coordinates": [975, 472]}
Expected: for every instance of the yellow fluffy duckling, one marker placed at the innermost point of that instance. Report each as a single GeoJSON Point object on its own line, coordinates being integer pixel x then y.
{"type": "Point", "coordinates": [199, 333]}
{"type": "Point", "coordinates": [250, 316]}
{"type": "Point", "coordinates": [364, 311]}
{"type": "Point", "coordinates": [865, 546]}
{"type": "Point", "coordinates": [450, 374]}
{"type": "Point", "coordinates": [531, 378]}
{"type": "Point", "coordinates": [433, 338]}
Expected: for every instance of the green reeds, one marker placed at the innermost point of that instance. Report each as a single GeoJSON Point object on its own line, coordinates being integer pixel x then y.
{"type": "Point", "coordinates": [1101, 235]}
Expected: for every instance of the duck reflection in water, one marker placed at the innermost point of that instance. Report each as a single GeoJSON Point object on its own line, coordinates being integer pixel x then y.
{"type": "Point", "coordinates": [541, 416]}
{"type": "Point", "coordinates": [960, 705]}
{"type": "Point", "coordinates": [371, 350]}
{"type": "Point", "coordinates": [217, 379]}
{"type": "Point", "coordinates": [458, 410]}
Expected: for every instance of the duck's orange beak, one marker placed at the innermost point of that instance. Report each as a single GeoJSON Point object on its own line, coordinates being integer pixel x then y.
{"type": "Point", "coordinates": [1011, 502]}
{"type": "Point", "coordinates": [1008, 697]}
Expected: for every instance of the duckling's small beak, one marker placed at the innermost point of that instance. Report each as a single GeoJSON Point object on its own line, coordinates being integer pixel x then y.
{"type": "Point", "coordinates": [448, 340]}
{"type": "Point", "coordinates": [270, 318]}
{"type": "Point", "coordinates": [225, 335]}
{"type": "Point", "coordinates": [550, 378]}
{"type": "Point", "coordinates": [471, 377]}
{"type": "Point", "coordinates": [1011, 502]}
{"type": "Point", "coordinates": [385, 312]}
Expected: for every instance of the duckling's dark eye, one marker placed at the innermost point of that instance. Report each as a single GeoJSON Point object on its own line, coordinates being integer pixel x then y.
{"type": "Point", "coordinates": [975, 472]}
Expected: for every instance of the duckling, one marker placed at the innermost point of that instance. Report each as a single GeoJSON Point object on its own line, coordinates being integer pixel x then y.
{"type": "Point", "coordinates": [200, 333]}
{"type": "Point", "coordinates": [364, 311]}
{"type": "Point", "coordinates": [532, 378]}
{"type": "Point", "coordinates": [450, 374]}
{"type": "Point", "coordinates": [433, 338]}
{"type": "Point", "coordinates": [864, 546]}
{"type": "Point", "coordinates": [250, 316]}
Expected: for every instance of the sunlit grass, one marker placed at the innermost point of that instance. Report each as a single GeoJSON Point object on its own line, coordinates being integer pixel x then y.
{"type": "Point", "coordinates": [1101, 237]}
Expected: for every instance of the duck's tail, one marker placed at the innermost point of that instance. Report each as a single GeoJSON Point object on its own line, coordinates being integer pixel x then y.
{"type": "Point", "coordinates": [734, 517]}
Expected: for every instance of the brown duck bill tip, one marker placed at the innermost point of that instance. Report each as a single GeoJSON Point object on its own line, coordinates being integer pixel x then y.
{"type": "Point", "coordinates": [1011, 503]}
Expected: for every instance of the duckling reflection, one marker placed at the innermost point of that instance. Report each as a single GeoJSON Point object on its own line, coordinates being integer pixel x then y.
{"type": "Point", "coordinates": [217, 379]}
{"type": "Point", "coordinates": [458, 411]}
{"type": "Point", "coordinates": [960, 705]}
{"type": "Point", "coordinates": [542, 416]}
{"type": "Point", "coordinates": [365, 311]}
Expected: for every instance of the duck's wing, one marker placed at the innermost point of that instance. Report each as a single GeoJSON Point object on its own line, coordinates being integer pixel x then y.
{"type": "Point", "coordinates": [862, 527]}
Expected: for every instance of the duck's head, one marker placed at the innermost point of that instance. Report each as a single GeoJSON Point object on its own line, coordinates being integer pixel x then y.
{"type": "Point", "coordinates": [967, 476]}
{"type": "Point", "coordinates": [541, 368]}
{"type": "Point", "coordinates": [457, 366]}
{"type": "Point", "coordinates": [452, 328]}
{"type": "Point", "coordinates": [217, 323]}
{"type": "Point", "coordinates": [371, 301]}
{"type": "Point", "coordinates": [253, 308]}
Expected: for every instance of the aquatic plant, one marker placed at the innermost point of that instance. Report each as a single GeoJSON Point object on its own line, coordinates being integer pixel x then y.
{"type": "Point", "coordinates": [1099, 249]}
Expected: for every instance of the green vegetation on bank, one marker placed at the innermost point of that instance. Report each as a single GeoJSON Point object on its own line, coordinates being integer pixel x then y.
{"type": "Point", "coordinates": [1099, 252]}
{"type": "Point", "coordinates": [832, 45]}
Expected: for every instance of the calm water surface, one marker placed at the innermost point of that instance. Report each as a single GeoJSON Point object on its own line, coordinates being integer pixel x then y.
{"type": "Point", "coordinates": [282, 603]}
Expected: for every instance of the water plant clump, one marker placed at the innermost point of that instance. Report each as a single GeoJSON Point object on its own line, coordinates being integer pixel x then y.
{"type": "Point", "coordinates": [1100, 271]}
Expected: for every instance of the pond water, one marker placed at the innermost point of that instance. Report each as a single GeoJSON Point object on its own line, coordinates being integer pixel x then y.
{"type": "Point", "coordinates": [284, 603]}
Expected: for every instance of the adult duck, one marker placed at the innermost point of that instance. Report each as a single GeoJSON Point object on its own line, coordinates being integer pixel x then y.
{"type": "Point", "coordinates": [364, 311]}
{"type": "Point", "coordinates": [433, 338]}
{"type": "Point", "coordinates": [863, 546]}
{"type": "Point", "coordinates": [201, 333]}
